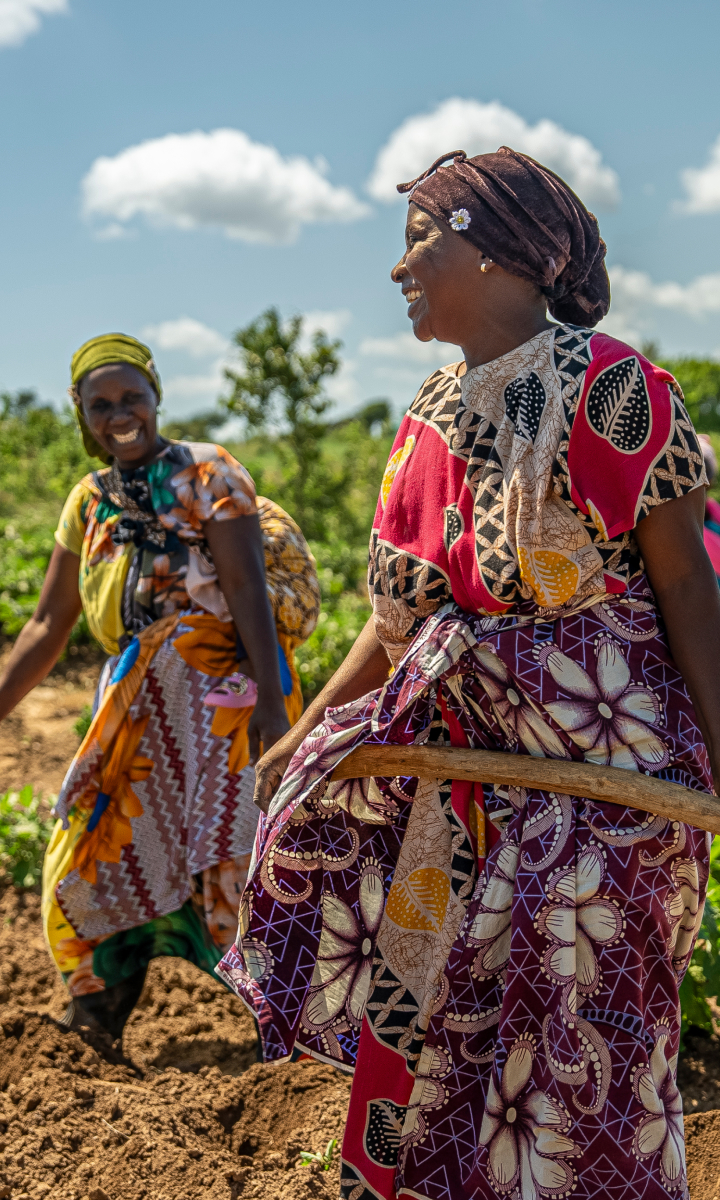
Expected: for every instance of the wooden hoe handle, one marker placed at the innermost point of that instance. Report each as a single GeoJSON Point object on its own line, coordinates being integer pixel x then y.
{"type": "Point", "coordinates": [652, 795]}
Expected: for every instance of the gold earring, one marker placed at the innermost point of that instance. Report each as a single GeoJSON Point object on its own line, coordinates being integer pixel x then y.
{"type": "Point", "coordinates": [484, 266]}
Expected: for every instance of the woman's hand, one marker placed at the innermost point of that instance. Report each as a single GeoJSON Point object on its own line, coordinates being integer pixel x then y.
{"type": "Point", "coordinates": [272, 766]}
{"type": "Point", "coordinates": [268, 724]}
{"type": "Point", "coordinates": [365, 668]}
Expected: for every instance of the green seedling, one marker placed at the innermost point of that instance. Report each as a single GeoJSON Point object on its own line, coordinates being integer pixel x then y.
{"type": "Point", "coordinates": [324, 1161]}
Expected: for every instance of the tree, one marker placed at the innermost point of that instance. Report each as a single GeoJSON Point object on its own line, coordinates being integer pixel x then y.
{"type": "Point", "coordinates": [200, 427]}
{"type": "Point", "coordinates": [699, 379]}
{"type": "Point", "coordinates": [281, 388]}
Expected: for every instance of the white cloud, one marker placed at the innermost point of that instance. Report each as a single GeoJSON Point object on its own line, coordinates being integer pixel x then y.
{"type": "Point", "coordinates": [201, 389]}
{"type": "Point", "coordinates": [406, 348]}
{"type": "Point", "coordinates": [481, 129]}
{"type": "Point", "coordinates": [333, 322]}
{"type": "Point", "coordinates": [188, 335]}
{"type": "Point", "coordinates": [636, 289]}
{"type": "Point", "coordinates": [218, 180]}
{"type": "Point", "coordinates": [635, 296]}
{"type": "Point", "coordinates": [19, 19]}
{"type": "Point", "coordinates": [702, 185]}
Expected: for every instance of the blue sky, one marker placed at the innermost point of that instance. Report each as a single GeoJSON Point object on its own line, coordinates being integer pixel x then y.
{"type": "Point", "coordinates": [99, 231]}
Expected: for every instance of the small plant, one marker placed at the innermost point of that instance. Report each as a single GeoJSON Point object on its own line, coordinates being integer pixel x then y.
{"type": "Point", "coordinates": [83, 722]}
{"type": "Point", "coordinates": [324, 1161]}
{"type": "Point", "coordinates": [24, 834]}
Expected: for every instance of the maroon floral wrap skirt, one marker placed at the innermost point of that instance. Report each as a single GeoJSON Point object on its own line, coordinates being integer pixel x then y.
{"type": "Point", "coordinates": [500, 968]}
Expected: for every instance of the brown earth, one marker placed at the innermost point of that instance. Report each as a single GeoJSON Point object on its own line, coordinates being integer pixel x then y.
{"type": "Point", "coordinates": [37, 740]}
{"type": "Point", "coordinates": [185, 1112]}
{"type": "Point", "coordinates": [180, 1111]}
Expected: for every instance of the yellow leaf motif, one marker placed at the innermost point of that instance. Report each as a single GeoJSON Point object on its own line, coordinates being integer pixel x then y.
{"type": "Point", "coordinates": [420, 900]}
{"type": "Point", "coordinates": [552, 576]}
{"type": "Point", "coordinates": [395, 462]}
{"type": "Point", "coordinates": [597, 519]}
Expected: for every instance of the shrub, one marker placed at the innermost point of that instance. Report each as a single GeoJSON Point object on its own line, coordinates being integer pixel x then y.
{"type": "Point", "coordinates": [24, 834]}
{"type": "Point", "coordinates": [703, 974]}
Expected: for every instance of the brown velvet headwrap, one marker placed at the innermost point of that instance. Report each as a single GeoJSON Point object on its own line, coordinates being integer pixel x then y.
{"type": "Point", "coordinates": [526, 219]}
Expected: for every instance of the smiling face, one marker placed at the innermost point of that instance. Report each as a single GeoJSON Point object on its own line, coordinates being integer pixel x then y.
{"type": "Point", "coordinates": [120, 405]}
{"type": "Point", "coordinates": [457, 294]}
{"type": "Point", "coordinates": [440, 275]}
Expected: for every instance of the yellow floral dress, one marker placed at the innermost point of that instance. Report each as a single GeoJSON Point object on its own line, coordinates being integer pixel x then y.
{"type": "Point", "coordinates": [155, 817]}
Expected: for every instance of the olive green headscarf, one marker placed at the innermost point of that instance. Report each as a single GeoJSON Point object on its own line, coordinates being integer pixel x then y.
{"type": "Point", "coordinates": [99, 352]}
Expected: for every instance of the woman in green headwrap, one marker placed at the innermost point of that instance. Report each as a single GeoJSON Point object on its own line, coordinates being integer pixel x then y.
{"type": "Point", "coordinates": [199, 591]}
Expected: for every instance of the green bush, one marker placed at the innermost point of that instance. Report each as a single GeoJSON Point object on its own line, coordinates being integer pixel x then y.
{"type": "Point", "coordinates": [41, 458]}
{"type": "Point", "coordinates": [24, 834]}
{"type": "Point", "coordinates": [703, 974]}
{"type": "Point", "coordinates": [81, 726]}
{"type": "Point", "coordinates": [699, 379]}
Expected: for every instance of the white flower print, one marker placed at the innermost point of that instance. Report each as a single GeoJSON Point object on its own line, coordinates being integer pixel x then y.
{"type": "Point", "coordinates": [344, 962]}
{"type": "Point", "coordinates": [684, 911]}
{"type": "Point", "coordinates": [661, 1129]}
{"type": "Point", "coordinates": [491, 926]}
{"type": "Point", "coordinates": [577, 919]}
{"type": "Point", "coordinates": [525, 1132]}
{"type": "Point", "coordinates": [609, 720]}
{"type": "Point", "coordinates": [518, 718]}
{"type": "Point", "coordinates": [360, 798]}
{"type": "Point", "coordinates": [460, 220]}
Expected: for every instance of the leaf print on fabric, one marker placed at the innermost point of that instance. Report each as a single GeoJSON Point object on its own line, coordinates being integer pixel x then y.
{"type": "Point", "coordinates": [525, 401]}
{"type": "Point", "coordinates": [618, 406]}
{"type": "Point", "coordinates": [344, 961]}
{"type": "Point", "coordinates": [611, 720]}
{"type": "Point", "coordinates": [453, 525]}
{"type": "Point", "coordinates": [491, 926]}
{"type": "Point", "coordinates": [660, 1131]}
{"type": "Point", "coordinates": [684, 911]}
{"type": "Point", "coordinates": [382, 1131]}
{"type": "Point", "coordinates": [518, 716]}
{"type": "Point", "coordinates": [552, 575]}
{"type": "Point", "coordinates": [525, 1132]}
{"type": "Point", "coordinates": [577, 918]}
{"type": "Point", "coordinates": [419, 901]}
{"type": "Point", "coordinates": [395, 462]}
{"type": "Point", "coordinates": [158, 473]}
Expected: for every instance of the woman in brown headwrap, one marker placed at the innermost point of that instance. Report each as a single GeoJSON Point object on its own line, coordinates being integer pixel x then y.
{"type": "Point", "coordinates": [501, 967]}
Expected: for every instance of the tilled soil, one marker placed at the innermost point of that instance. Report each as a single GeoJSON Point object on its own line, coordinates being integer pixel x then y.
{"type": "Point", "coordinates": [37, 740]}
{"type": "Point", "coordinates": [180, 1111]}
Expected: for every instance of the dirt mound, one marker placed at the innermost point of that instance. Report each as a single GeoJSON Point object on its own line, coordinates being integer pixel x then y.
{"type": "Point", "coordinates": [702, 1144]}
{"type": "Point", "coordinates": [183, 1112]}
{"type": "Point", "coordinates": [37, 740]}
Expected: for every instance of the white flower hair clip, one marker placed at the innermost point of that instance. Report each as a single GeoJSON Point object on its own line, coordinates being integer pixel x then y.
{"type": "Point", "coordinates": [460, 220]}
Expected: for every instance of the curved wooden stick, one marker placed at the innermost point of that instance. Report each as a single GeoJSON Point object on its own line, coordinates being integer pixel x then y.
{"type": "Point", "coordinates": [631, 788]}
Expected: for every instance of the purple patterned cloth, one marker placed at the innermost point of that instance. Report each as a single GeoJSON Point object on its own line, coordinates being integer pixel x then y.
{"type": "Point", "coordinates": [500, 967]}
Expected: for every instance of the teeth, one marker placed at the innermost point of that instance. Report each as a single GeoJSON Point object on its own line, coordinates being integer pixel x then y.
{"type": "Point", "coordinates": [414, 295]}
{"type": "Point", "coordinates": [125, 438]}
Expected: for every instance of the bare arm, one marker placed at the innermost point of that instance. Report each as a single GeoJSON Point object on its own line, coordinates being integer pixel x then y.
{"type": "Point", "coordinates": [41, 642]}
{"type": "Point", "coordinates": [239, 556]}
{"type": "Point", "coordinates": [365, 668]}
{"type": "Point", "coordinates": [687, 593]}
